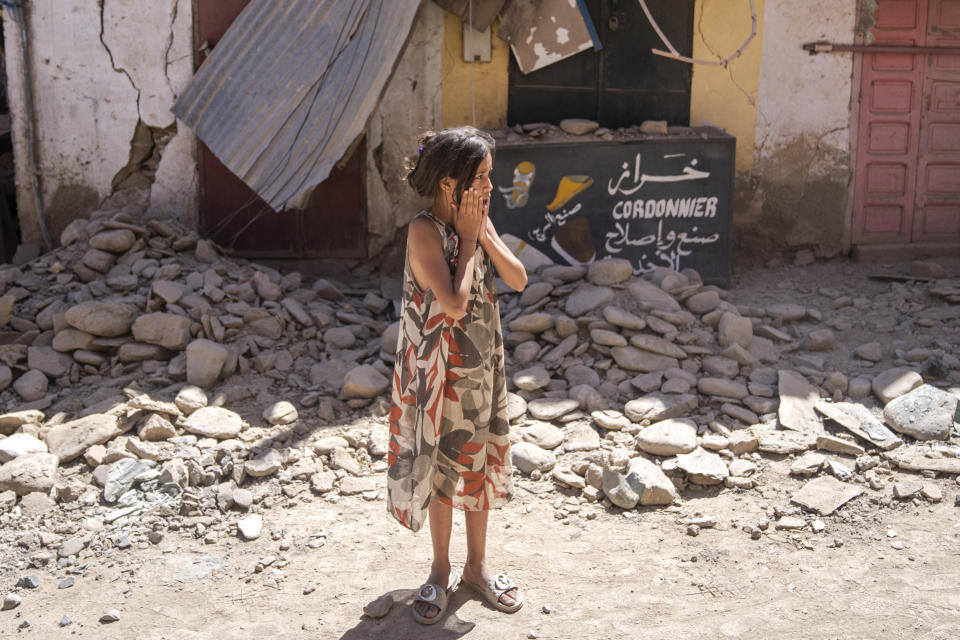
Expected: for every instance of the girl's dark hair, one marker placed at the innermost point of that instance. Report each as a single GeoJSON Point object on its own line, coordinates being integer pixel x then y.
{"type": "Point", "coordinates": [451, 153]}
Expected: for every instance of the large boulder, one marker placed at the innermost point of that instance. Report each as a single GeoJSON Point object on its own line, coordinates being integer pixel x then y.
{"type": "Point", "coordinates": [205, 360]}
{"type": "Point", "coordinates": [105, 318]}
{"type": "Point", "coordinates": [926, 413]}
{"type": "Point", "coordinates": [650, 483]}
{"type": "Point", "coordinates": [364, 382]}
{"type": "Point", "coordinates": [70, 440]}
{"type": "Point", "coordinates": [29, 473]}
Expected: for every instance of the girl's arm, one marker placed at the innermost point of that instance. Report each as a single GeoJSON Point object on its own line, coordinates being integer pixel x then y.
{"type": "Point", "coordinates": [508, 266]}
{"type": "Point", "coordinates": [429, 266]}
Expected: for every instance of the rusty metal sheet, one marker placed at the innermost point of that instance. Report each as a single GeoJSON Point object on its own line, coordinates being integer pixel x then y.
{"type": "Point", "coordinates": [290, 86]}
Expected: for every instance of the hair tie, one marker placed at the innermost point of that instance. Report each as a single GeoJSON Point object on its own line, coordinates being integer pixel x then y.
{"type": "Point", "coordinates": [420, 150]}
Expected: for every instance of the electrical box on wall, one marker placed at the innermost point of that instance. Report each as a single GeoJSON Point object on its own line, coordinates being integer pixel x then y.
{"type": "Point", "coordinates": [476, 44]}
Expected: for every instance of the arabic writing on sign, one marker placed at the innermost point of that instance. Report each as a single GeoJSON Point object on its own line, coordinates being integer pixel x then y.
{"type": "Point", "coordinates": [639, 179]}
{"type": "Point", "coordinates": [560, 219]}
{"type": "Point", "coordinates": [666, 249]}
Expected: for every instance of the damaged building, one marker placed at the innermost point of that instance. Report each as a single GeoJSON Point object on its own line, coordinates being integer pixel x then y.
{"type": "Point", "coordinates": [850, 144]}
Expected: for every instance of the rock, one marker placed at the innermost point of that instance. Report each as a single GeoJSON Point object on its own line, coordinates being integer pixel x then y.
{"type": "Point", "coordinates": [49, 361]}
{"type": "Point", "coordinates": [654, 127]}
{"type": "Point", "coordinates": [543, 434]}
{"type": "Point", "coordinates": [790, 523]}
{"type": "Point", "coordinates": [10, 422]}
{"type": "Point", "coordinates": [741, 468]}
{"type": "Point", "coordinates": [391, 338]}
{"type": "Point", "coordinates": [250, 526]}
{"type": "Point", "coordinates": [6, 309]}
{"type": "Point", "coordinates": [351, 485]}
{"type": "Point", "coordinates": [620, 318]}
{"type": "Point", "coordinates": [568, 478]}
{"type": "Point", "coordinates": [98, 261]}
{"type": "Point", "coordinates": [618, 490]}
{"type": "Point", "coordinates": [657, 345]}
{"type": "Point", "coordinates": [650, 296]}
{"type": "Point", "coordinates": [820, 340]}
{"type": "Point", "coordinates": [721, 366]}
{"type": "Point", "coordinates": [532, 323]}
{"type": "Point", "coordinates": [168, 330]}
{"type": "Point", "coordinates": [703, 302]}
{"type": "Point", "coordinates": [611, 419]}
{"type": "Point", "coordinates": [825, 495]}
{"type": "Point", "coordinates": [785, 442]}
{"type": "Point", "coordinates": [870, 351]}
{"type": "Point", "coordinates": [926, 269]}
{"type": "Point", "coordinates": [115, 240]}
{"type": "Point", "coordinates": [579, 374]}
{"type": "Point", "coordinates": [171, 292]}
{"type": "Point", "coordinates": [658, 406]}
{"type": "Point", "coordinates": [527, 456]}
{"type": "Point", "coordinates": [551, 409]}
{"type": "Point", "coordinates": [205, 361]}
{"type": "Point", "coordinates": [20, 444]}
{"type": "Point", "coordinates": [668, 437]}
{"type": "Point", "coordinates": [578, 126]}
{"type": "Point", "coordinates": [340, 337]}
{"type": "Point", "coordinates": [105, 318]}
{"type": "Point", "coordinates": [808, 464]}
{"type": "Point", "coordinates": [535, 377]}
{"type": "Point", "coordinates": [587, 297]}
{"type": "Point", "coordinates": [190, 398]}
{"type": "Point", "coordinates": [364, 381]}
{"type": "Point", "coordinates": [797, 401]}
{"type": "Point", "coordinates": [380, 607]}
{"type": "Point", "coordinates": [281, 412]}
{"type": "Point", "coordinates": [72, 547]}
{"type": "Point", "coordinates": [155, 429]}
{"type": "Point", "coordinates": [703, 467]}
{"type": "Point", "coordinates": [722, 387]}
{"type": "Point", "coordinates": [265, 464]}
{"type": "Point", "coordinates": [110, 615]}
{"type": "Point", "coordinates": [926, 413]}
{"type": "Point", "coordinates": [28, 473]}
{"type": "Point", "coordinates": [36, 504]}
{"type": "Point", "coordinates": [67, 340]}
{"type": "Point", "coordinates": [857, 419]}
{"type": "Point", "coordinates": [734, 329]}
{"type": "Point", "coordinates": [634, 359]}
{"type": "Point", "coordinates": [6, 377]}
{"type": "Point", "coordinates": [214, 422]}
{"type": "Point", "coordinates": [121, 477]}
{"type": "Point", "coordinates": [28, 582]}
{"type": "Point", "coordinates": [742, 414]}
{"type": "Point", "coordinates": [906, 489]}
{"type": "Point", "coordinates": [742, 441]}
{"type": "Point", "coordinates": [322, 482]}
{"type": "Point", "coordinates": [608, 338]}
{"type": "Point", "coordinates": [894, 383]}
{"type": "Point", "coordinates": [649, 482]}
{"type": "Point", "coordinates": [139, 351]}
{"type": "Point", "coordinates": [838, 445]}
{"type": "Point", "coordinates": [786, 312]}
{"type": "Point", "coordinates": [70, 440]}
{"type": "Point", "coordinates": [919, 458]}
{"type": "Point", "coordinates": [931, 492]}
{"type": "Point", "coordinates": [340, 458]}
{"type": "Point", "coordinates": [535, 292]}
{"type": "Point", "coordinates": [610, 271]}
{"type": "Point", "coordinates": [10, 601]}
{"type": "Point", "coordinates": [580, 436]}
{"type": "Point", "coordinates": [32, 385]}
{"type": "Point", "coordinates": [328, 444]}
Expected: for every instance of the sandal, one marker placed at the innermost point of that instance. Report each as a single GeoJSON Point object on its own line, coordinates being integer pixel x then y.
{"type": "Point", "coordinates": [495, 588]}
{"type": "Point", "coordinates": [433, 594]}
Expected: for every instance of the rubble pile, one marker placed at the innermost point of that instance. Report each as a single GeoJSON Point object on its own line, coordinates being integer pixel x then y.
{"type": "Point", "coordinates": [159, 387]}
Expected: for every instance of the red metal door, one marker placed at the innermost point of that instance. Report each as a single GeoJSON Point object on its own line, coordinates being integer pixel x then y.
{"type": "Point", "coordinates": [891, 93]}
{"type": "Point", "coordinates": [908, 158]}
{"type": "Point", "coordinates": [937, 214]}
{"type": "Point", "coordinates": [333, 224]}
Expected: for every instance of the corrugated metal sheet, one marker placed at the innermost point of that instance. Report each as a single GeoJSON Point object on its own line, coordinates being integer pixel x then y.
{"type": "Point", "coordinates": [290, 86]}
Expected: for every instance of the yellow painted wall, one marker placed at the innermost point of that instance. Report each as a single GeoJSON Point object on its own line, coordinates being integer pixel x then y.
{"type": "Point", "coordinates": [727, 97]}
{"type": "Point", "coordinates": [489, 80]}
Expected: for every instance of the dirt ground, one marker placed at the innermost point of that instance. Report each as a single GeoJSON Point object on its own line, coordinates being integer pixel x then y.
{"type": "Point", "coordinates": [600, 573]}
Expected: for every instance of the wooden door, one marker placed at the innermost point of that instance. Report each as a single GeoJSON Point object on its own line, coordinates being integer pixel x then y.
{"type": "Point", "coordinates": [333, 223]}
{"type": "Point", "coordinates": [937, 214]}
{"type": "Point", "coordinates": [907, 183]}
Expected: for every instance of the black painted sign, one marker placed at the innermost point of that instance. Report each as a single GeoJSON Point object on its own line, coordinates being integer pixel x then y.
{"type": "Point", "coordinates": [658, 202]}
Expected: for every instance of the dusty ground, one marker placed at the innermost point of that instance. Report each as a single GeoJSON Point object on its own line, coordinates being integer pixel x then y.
{"type": "Point", "coordinates": [599, 574]}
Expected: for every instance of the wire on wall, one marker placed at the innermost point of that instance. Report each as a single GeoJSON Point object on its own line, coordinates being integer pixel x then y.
{"type": "Point", "coordinates": [673, 54]}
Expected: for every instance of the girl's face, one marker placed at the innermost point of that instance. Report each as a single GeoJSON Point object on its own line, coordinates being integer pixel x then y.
{"type": "Point", "coordinates": [481, 181]}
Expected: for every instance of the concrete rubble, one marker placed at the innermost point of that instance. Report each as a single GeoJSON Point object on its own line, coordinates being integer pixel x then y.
{"type": "Point", "coordinates": [153, 386]}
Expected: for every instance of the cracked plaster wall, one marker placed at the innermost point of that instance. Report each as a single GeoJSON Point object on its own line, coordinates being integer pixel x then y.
{"type": "Point", "coordinates": [98, 68]}
{"type": "Point", "coordinates": [802, 161]}
{"type": "Point", "coordinates": [411, 105]}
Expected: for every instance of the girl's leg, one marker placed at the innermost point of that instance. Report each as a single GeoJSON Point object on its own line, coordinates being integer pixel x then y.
{"type": "Point", "coordinates": [475, 570]}
{"type": "Point", "coordinates": [441, 521]}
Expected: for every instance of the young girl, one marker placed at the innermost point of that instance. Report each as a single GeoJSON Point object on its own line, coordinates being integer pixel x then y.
{"type": "Point", "coordinates": [449, 443]}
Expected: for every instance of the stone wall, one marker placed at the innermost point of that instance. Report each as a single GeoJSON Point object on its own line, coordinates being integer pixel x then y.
{"type": "Point", "coordinates": [104, 76]}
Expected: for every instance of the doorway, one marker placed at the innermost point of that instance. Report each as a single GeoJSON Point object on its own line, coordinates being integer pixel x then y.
{"type": "Point", "coordinates": [907, 185]}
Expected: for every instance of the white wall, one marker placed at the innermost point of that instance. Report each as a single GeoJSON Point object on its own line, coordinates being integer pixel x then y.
{"type": "Point", "coordinates": [803, 155]}
{"type": "Point", "coordinates": [97, 69]}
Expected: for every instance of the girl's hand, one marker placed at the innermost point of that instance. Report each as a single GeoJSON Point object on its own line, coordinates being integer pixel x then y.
{"type": "Point", "coordinates": [469, 216]}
